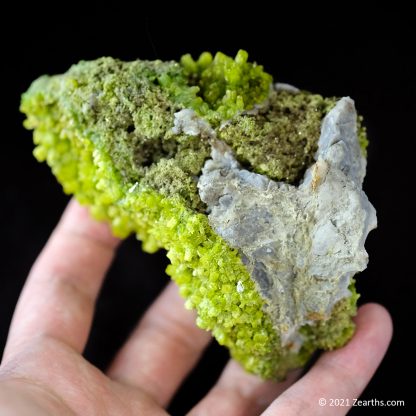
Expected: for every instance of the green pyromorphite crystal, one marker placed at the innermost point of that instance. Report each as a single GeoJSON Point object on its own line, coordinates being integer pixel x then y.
{"type": "Point", "coordinates": [105, 128]}
{"type": "Point", "coordinates": [279, 139]}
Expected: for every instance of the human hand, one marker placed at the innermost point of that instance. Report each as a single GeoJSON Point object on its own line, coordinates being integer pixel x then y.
{"type": "Point", "coordinates": [43, 371]}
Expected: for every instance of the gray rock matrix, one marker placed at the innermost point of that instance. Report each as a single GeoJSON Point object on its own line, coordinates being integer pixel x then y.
{"type": "Point", "coordinates": [301, 244]}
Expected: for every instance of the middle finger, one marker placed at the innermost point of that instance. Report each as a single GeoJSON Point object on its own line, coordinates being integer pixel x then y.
{"type": "Point", "coordinates": [162, 349]}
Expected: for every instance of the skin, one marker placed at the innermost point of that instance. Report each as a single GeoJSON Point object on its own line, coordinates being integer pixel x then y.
{"type": "Point", "coordinates": [43, 371]}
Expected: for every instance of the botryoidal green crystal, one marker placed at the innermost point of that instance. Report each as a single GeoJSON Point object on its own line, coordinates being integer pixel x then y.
{"type": "Point", "coordinates": [132, 139]}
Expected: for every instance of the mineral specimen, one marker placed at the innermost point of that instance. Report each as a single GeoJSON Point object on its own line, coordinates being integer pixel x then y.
{"type": "Point", "coordinates": [253, 188]}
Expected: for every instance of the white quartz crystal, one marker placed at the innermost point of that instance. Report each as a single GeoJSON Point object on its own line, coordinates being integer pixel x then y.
{"type": "Point", "coordinates": [301, 244]}
{"type": "Point", "coordinates": [188, 122]}
{"type": "Point", "coordinates": [281, 86]}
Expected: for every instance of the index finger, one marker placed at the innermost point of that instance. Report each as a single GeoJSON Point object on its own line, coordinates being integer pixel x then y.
{"type": "Point", "coordinates": [59, 295]}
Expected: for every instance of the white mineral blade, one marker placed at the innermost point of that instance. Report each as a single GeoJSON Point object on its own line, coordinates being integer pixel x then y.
{"type": "Point", "coordinates": [188, 122]}
{"type": "Point", "coordinates": [302, 244]}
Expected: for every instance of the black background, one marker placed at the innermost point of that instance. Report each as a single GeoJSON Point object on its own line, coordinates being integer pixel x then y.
{"type": "Point", "coordinates": [366, 56]}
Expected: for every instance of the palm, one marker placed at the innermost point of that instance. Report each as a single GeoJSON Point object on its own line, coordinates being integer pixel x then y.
{"type": "Point", "coordinates": [44, 373]}
{"type": "Point", "coordinates": [60, 381]}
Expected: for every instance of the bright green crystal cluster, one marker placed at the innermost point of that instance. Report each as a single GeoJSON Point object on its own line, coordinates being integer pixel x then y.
{"type": "Point", "coordinates": [105, 128]}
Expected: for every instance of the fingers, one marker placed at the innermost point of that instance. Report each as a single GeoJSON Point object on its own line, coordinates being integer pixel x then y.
{"type": "Point", "coordinates": [340, 374]}
{"type": "Point", "coordinates": [238, 393]}
{"type": "Point", "coordinates": [163, 348]}
{"type": "Point", "coordinates": [59, 295]}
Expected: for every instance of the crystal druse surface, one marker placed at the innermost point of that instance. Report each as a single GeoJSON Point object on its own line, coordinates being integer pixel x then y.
{"type": "Point", "coordinates": [253, 188]}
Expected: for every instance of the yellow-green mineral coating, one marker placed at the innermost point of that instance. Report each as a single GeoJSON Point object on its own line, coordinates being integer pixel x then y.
{"type": "Point", "coordinates": [105, 129]}
{"type": "Point", "coordinates": [280, 139]}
